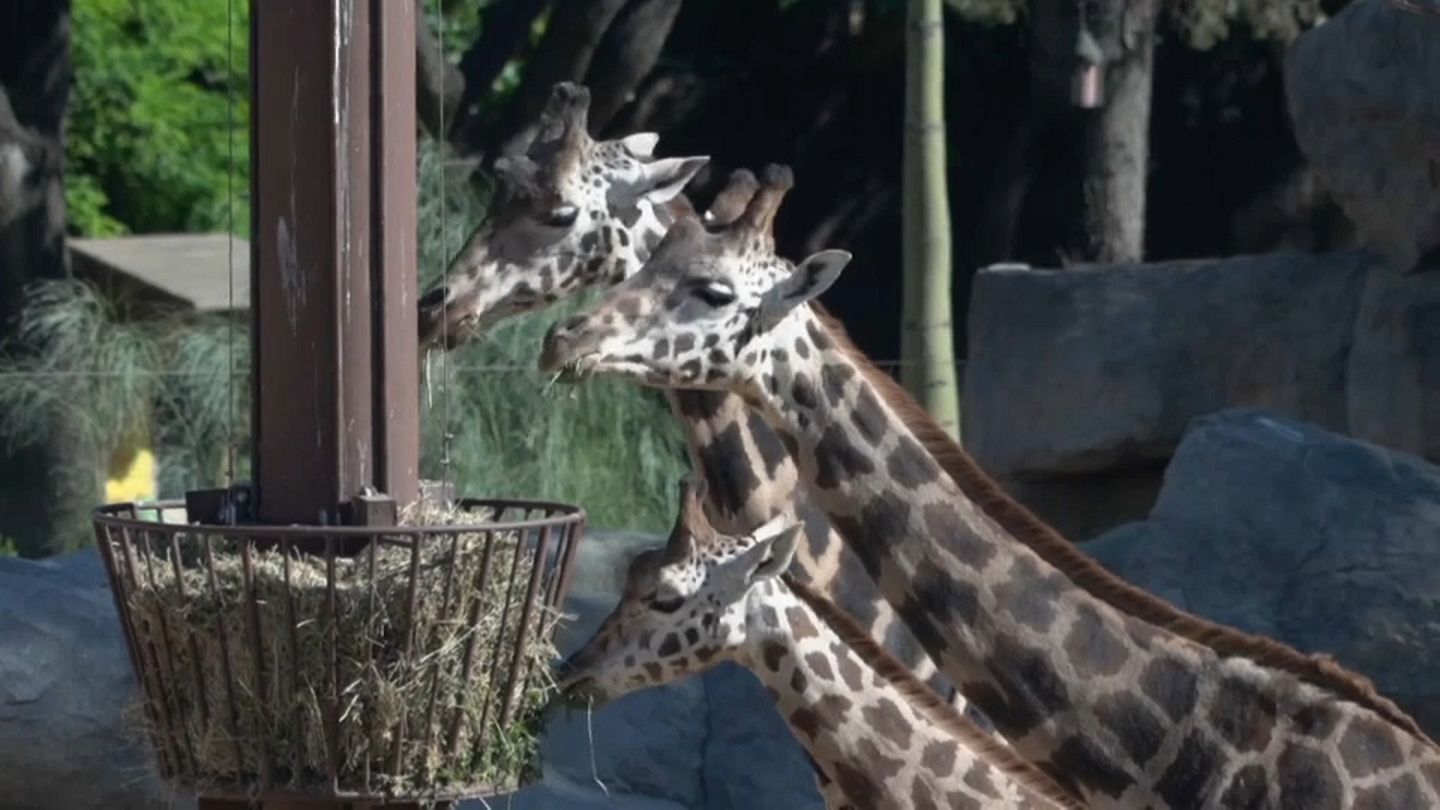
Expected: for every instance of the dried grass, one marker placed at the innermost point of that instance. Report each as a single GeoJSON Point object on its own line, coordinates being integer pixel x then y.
{"type": "Point", "coordinates": [393, 713]}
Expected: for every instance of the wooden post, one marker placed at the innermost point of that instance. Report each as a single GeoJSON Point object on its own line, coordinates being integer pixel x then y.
{"type": "Point", "coordinates": [333, 269]}
{"type": "Point", "coordinates": [334, 259]}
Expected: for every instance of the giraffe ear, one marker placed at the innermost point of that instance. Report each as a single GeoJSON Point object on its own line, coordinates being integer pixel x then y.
{"type": "Point", "coordinates": [661, 180]}
{"type": "Point", "coordinates": [813, 277]}
{"type": "Point", "coordinates": [773, 554]}
{"type": "Point", "coordinates": [641, 144]}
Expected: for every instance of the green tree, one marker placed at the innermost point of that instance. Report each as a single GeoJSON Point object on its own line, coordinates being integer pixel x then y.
{"type": "Point", "coordinates": [159, 92]}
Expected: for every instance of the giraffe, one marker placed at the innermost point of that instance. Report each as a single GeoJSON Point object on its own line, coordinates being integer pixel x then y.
{"type": "Point", "coordinates": [1122, 697]}
{"type": "Point", "coordinates": [577, 213]}
{"type": "Point", "coordinates": [530, 258]}
{"type": "Point", "coordinates": [878, 736]}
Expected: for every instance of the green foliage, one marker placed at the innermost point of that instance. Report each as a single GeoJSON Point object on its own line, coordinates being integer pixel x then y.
{"type": "Point", "coordinates": [8, 547]}
{"type": "Point", "coordinates": [160, 89]}
{"type": "Point", "coordinates": [110, 378]}
{"type": "Point", "coordinates": [1205, 23]}
{"type": "Point", "coordinates": [609, 446]}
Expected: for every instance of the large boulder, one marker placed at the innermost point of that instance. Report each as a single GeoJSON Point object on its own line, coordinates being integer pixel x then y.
{"type": "Point", "coordinates": [65, 685]}
{"type": "Point", "coordinates": [1280, 528]}
{"type": "Point", "coordinates": [1096, 368]}
{"type": "Point", "coordinates": [1364, 96]}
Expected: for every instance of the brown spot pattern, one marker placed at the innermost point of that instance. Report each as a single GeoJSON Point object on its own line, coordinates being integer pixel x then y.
{"type": "Point", "coordinates": [1093, 649]}
{"type": "Point", "coordinates": [887, 721]}
{"type": "Point", "coordinates": [1243, 715]}
{"type": "Point", "coordinates": [939, 757]}
{"type": "Point", "coordinates": [820, 666]}
{"type": "Point", "coordinates": [800, 623]}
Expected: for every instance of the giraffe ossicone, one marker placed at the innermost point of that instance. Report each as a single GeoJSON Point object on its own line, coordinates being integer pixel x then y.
{"type": "Point", "coordinates": [1121, 696]}
{"type": "Point", "coordinates": [879, 738]}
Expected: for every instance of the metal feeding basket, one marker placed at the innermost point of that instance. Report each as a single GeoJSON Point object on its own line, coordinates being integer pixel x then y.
{"type": "Point", "coordinates": [396, 663]}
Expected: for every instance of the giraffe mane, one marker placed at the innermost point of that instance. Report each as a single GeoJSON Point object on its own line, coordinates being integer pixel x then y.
{"type": "Point", "coordinates": [925, 700]}
{"type": "Point", "coordinates": [1082, 570]}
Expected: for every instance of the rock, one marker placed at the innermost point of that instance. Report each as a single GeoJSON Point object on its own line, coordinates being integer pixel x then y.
{"type": "Point", "coordinates": [1101, 367]}
{"type": "Point", "coordinates": [65, 680]}
{"type": "Point", "coordinates": [1280, 528]}
{"type": "Point", "coordinates": [1393, 377]}
{"type": "Point", "coordinates": [1364, 96]}
{"type": "Point", "coordinates": [751, 757]}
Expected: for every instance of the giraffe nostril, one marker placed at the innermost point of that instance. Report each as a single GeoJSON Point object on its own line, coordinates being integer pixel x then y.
{"type": "Point", "coordinates": [573, 323]}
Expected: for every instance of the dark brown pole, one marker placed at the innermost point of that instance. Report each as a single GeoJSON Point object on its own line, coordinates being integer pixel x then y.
{"type": "Point", "coordinates": [333, 273]}
{"type": "Point", "coordinates": [333, 136]}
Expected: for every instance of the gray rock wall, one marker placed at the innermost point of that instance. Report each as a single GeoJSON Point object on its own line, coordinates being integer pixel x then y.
{"type": "Point", "coordinates": [1081, 381]}
{"type": "Point", "coordinates": [1095, 368]}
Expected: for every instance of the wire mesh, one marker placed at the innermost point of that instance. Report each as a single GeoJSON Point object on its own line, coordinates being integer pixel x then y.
{"type": "Point", "coordinates": [271, 663]}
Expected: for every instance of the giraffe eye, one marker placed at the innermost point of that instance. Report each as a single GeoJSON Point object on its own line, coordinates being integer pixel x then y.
{"type": "Point", "coordinates": [667, 604]}
{"type": "Point", "coordinates": [561, 217]}
{"type": "Point", "coordinates": [714, 293]}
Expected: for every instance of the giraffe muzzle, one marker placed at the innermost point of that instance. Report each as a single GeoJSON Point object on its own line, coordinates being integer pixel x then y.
{"type": "Point", "coordinates": [564, 355]}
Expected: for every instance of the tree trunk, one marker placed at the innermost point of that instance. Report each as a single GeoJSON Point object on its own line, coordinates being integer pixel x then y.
{"type": "Point", "coordinates": [49, 487]}
{"type": "Point", "coordinates": [575, 30]}
{"type": "Point", "coordinates": [626, 55]}
{"type": "Point", "coordinates": [927, 341]}
{"type": "Point", "coordinates": [1052, 45]}
{"type": "Point", "coordinates": [1117, 136]}
{"type": "Point", "coordinates": [506, 32]}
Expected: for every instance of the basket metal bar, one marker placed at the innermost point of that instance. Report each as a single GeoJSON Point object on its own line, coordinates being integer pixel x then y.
{"type": "Point", "coordinates": [122, 609]}
{"type": "Point", "coordinates": [332, 662]}
{"type": "Point", "coordinates": [449, 589]}
{"type": "Point", "coordinates": [292, 631]}
{"type": "Point", "coordinates": [151, 665]}
{"type": "Point", "coordinates": [472, 619]}
{"type": "Point", "coordinates": [495, 675]}
{"type": "Point", "coordinates": [522, 632]}
{"type": "Point", "coordinates": [224, 654]}
{"type": "Point", "coordinates": [199, 672]}
{"type": "Point", "coordinates": [177, 731]}
{"type": "Point", "coordinates": [257, 653]}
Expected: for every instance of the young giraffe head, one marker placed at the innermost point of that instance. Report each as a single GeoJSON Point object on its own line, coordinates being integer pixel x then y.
{"type": "Point", "coordinates": [684, 608]}
{"type": "Point", "coordinates": [705, 311]}
{"type": "Point", "coordinates": [571, 213]}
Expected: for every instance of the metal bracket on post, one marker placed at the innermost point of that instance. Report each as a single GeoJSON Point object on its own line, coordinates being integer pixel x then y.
{"type": "Point", "coordinates": [376, 509]}
{"type": "Point", "coordinates": [226, 506]}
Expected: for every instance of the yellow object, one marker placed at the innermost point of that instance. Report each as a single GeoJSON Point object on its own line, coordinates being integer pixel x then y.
{"type": "Point", "coordinates": [131, 475]}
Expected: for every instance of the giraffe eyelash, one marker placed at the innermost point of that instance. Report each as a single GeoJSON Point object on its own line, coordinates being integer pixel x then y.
{"type": "Point", "coordinates": [562, 217]}
{"type": "Point", "coordinates": [714, 293]}
{"type": "Point", "coordinates": [667, 605]}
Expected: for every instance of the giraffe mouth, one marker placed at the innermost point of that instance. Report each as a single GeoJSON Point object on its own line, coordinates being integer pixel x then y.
{"type": "Point", "coordinates": [579, 368]}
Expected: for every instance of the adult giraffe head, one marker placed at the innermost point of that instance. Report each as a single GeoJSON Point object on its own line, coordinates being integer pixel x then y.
{"type": "Point", "coordinates": [705, 311]}
{"type": "Point", "coordinates": [573, 213]}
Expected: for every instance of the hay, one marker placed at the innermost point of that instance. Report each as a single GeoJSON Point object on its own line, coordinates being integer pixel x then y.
{"type": "Point", "coordinates": [393, 713]}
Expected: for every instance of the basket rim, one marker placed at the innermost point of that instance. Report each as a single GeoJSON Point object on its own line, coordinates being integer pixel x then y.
{"type": "Point", "coordinates": [564, 514]}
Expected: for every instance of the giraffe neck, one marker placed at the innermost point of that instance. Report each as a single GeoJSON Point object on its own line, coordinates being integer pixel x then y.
{"type": "Point", "coordinates": [1122, 711]}
{"type": "Point", "coordinates": [871, 743]}
{"type": "Point", "coordinates": [750, 476]}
